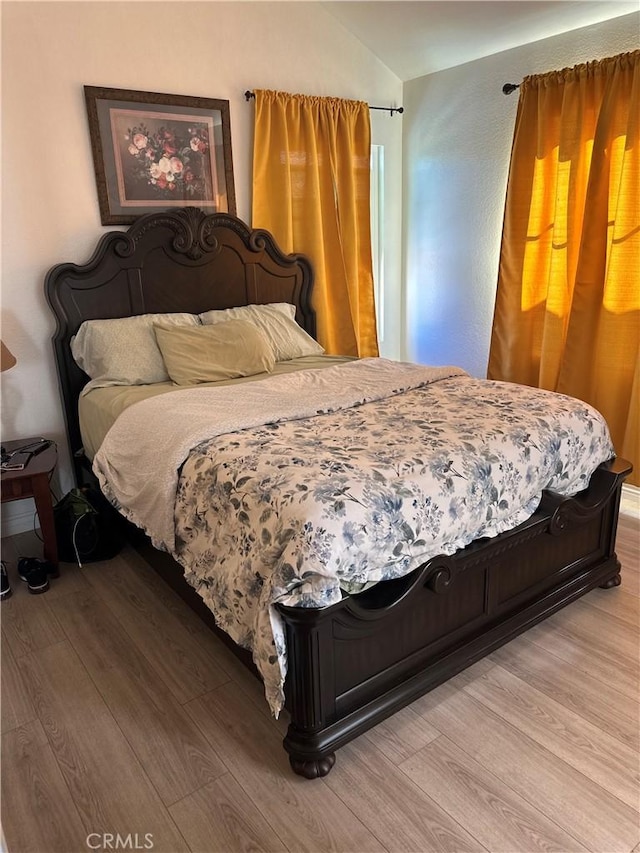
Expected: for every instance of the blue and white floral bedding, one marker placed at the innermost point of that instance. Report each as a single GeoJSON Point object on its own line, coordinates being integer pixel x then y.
{"type": "Point", "coordinates": [300, 510]}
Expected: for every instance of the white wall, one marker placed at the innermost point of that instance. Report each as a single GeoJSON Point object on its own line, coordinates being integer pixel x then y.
{"type": "Point", "coordinates": [49, 200]}
{"type": "Point", "coordinates": [458, 129]}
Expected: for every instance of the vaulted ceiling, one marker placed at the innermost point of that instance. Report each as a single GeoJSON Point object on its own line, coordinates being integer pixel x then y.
{"type": "Point", "coordinates": [420, 37]}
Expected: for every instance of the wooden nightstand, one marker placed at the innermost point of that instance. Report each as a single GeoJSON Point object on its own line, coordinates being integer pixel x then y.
{"type": "Point", "coordinates": [33, 482]}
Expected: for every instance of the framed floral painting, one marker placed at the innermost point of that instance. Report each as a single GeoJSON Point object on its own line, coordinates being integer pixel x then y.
{"type": "Point", "coordinates": [153, 151]}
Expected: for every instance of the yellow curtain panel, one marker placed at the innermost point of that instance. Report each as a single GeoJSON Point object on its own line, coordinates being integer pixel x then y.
{"type": "Point", "coordinates": [567, 313]}
{"type": "Point", "coordinates": [311, 189]}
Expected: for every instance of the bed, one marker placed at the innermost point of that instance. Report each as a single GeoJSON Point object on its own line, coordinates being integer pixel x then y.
{"type": "Point", "coordinates": [377, 647]}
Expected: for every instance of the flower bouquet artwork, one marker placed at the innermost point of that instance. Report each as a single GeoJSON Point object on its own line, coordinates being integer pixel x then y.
{"type": "Point", "coordinates": [170, 161]}
{"type": "Point", "coordinates": [159, 151]}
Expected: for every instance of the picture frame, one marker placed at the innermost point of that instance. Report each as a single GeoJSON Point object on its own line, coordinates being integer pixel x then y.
{"type": "Point", "coordinates": [154, 151]}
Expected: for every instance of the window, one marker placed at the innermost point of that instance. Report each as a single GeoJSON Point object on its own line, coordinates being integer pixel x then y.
{"type": "Point", "coordinates": [377, 233]}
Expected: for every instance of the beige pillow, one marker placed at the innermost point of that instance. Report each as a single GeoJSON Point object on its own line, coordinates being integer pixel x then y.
{"type": "Point", "coordinates": [210, 353]}
{"type": "Point", "coordinates": [277, 321]}
{"type": "Point", "coordinates": [124, 351]}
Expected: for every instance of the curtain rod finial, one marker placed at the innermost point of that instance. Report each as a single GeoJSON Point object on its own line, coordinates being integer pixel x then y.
{"type": "Point", "coordinates": [508, 88]}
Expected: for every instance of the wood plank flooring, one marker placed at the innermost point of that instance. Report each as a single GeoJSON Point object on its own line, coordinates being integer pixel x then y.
{"type": "Point", "coordinates": [123, 715]}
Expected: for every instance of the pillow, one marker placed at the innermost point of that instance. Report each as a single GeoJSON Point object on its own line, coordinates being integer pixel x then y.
{"type": "Point", "coordinates": [124, 351]}
{"type": "Point", "coordinates": [209, 353]}
{"type": "Point", "coordinates": [277, 322]}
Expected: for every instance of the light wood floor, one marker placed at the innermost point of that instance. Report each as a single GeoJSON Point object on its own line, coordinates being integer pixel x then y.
{"type": "Point", "coordinates": [122, 714]}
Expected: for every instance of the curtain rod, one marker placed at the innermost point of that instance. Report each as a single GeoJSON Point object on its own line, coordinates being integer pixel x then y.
{"type": "Point", "coordinates": [508, 88]}
{"type": "Point", "coordinates": [248, 95]}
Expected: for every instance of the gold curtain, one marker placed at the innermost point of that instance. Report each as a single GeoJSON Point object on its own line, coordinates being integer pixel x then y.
{"type": "Point", "coordinates": [567, 315]}
{"type": "Point", "coordinates": [311, 189]}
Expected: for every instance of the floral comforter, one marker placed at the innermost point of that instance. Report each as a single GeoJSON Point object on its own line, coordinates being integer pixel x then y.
{"type": "Point", "coordinates": [298, 488]}
{"type": "Point", "coordinates": [298, 511]}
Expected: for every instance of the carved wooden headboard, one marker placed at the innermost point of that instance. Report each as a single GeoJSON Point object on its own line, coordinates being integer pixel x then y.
{"type": "Point", "coordinates": [182, 260]}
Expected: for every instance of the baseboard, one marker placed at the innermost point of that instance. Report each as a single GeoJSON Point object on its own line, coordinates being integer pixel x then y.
{"type": "Point", "coordinates": [630, 501]}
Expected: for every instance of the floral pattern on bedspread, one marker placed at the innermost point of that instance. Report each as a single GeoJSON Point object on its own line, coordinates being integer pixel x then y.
{"type": "Point", "coordinates": [297, 511]}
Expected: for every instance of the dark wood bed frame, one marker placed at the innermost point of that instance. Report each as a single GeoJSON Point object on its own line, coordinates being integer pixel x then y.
{"type": "Point", "coordinates": [355, 663]}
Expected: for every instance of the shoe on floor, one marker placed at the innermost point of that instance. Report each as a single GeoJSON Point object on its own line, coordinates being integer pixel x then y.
{"type": "Point", "coordinates": [5, 586]}
{"type": "Point", "coordinates": [26, 564]}
{"type": "Point", "coordinates": [35, 574]}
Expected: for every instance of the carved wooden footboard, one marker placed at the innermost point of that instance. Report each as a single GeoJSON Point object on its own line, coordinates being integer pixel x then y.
{"type": "Point", "coordinates": [355, 663]}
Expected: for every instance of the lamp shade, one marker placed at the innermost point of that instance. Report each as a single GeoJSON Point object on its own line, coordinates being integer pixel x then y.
{"type": "Point", "coordinates": [7, 358]}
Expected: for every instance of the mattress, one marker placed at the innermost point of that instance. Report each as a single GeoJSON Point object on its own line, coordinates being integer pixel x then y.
{"type": "Point", "coordinates": [99, 409]}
